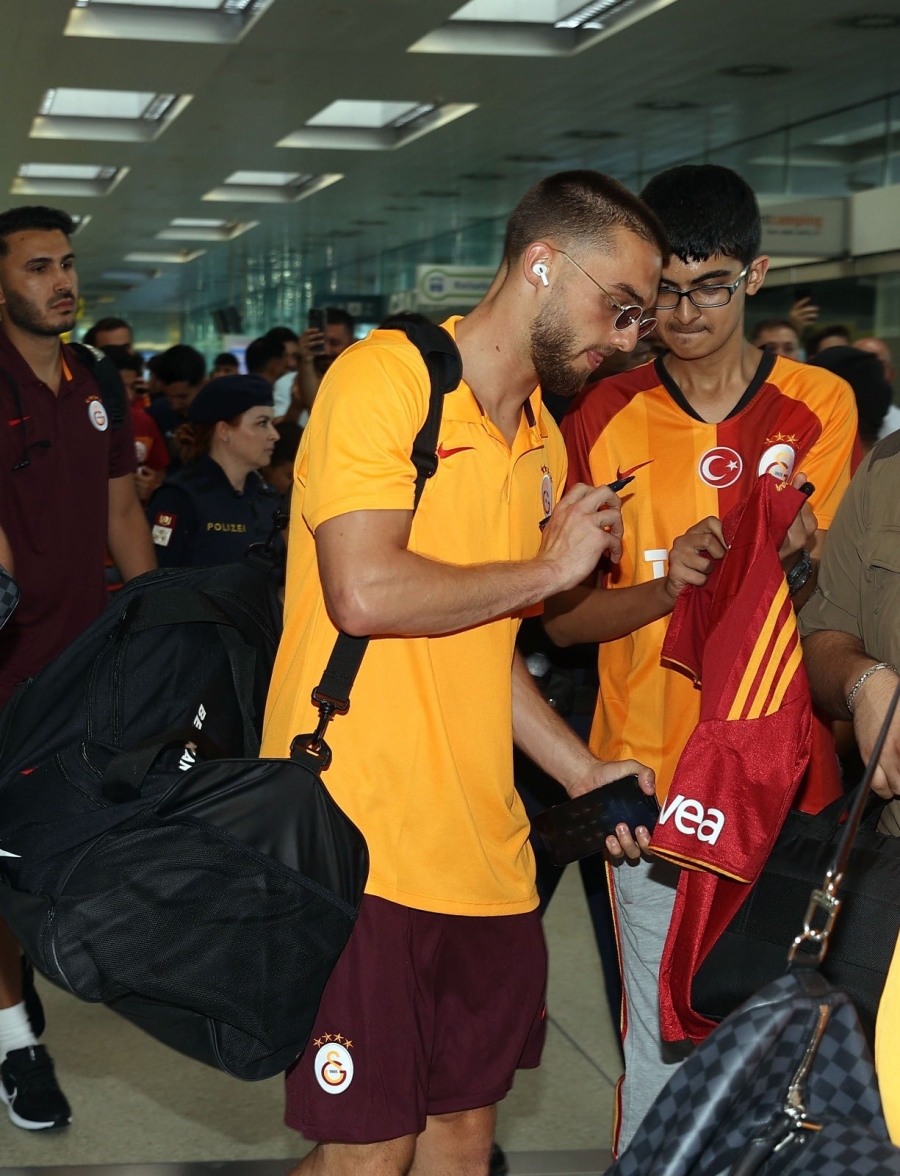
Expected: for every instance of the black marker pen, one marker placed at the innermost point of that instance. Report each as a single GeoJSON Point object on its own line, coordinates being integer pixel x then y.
{"type": "Point", "coordinates": [620, 484]}
{"type": "Point", "coordinates": [616, 486]}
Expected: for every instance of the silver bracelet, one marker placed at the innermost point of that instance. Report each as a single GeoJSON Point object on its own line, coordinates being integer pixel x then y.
{"type": "Point", "coordinates": [869, 672]}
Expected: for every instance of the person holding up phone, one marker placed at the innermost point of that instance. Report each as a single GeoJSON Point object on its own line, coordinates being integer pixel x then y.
{"type": "Point", "coordinates": [329, 333]}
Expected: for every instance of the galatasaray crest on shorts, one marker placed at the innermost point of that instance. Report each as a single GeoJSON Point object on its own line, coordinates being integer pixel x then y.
{"type": "Point", "coordinates": [98, 415]}
{"type": "Point", "coordinates": [333, 1064]}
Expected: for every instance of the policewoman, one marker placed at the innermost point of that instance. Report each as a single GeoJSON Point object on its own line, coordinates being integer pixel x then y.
{"type": "Point", "coordinates": [216, 504]}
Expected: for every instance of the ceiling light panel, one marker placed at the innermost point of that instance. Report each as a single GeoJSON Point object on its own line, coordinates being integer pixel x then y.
{"type": "Point", "coordinates": [355, 125]}
{"type": "Point", "coordinates": [121, 116]}
{"type": "Point", "coordinates": [123, 277]}
{"type": "Point", "coordinates": [265, 178]}
{"type": "Point", "coordinates": [253, 187]}
{"type": "Point", "coordinates": [222, 22]}
{"type": "Point", "coordinates": [173, 257]}
{"type": "Point", "coordinates": [71, 103]}
{"type": "Point", "coordinates": [516, 11]}
{"type": "Point", "coordinates": [534, 28]}
{"type": "Point", "coordinates": [347, 112]}
{"type": "Point", "coordinates": [188, 228]}
{"type": "Point", "coordinates": [66, 179]}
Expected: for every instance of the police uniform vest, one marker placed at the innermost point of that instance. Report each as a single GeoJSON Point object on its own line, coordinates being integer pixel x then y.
{"type": "Point", "coordinates": [198, 519]}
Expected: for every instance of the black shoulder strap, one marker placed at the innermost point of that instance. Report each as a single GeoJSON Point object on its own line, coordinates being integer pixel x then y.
{"type": "Point", "coordinates": [112, 390]}
{"type": "Point", "coordinates": [332, 695]}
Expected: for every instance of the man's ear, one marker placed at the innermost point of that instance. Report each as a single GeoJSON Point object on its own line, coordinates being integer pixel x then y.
{"type": "Point", "coordinates": [536, 264]}
{"type": "Point", "coordinates": [759, 267]}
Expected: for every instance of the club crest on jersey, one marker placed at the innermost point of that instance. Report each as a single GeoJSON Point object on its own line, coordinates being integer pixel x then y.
{"type": "Point", "coordinates": [333, 1064]}
{"type": "Point", "coordinates": [547, 493]}
{"type": "Point", "coordinates": [778, 460]}
{"type": "Point", "coordinates": [720, 467]}
{"type": "Point", "coordinates": [98, 415]}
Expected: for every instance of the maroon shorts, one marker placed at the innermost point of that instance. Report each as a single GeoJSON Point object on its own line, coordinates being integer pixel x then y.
{"type": "Point", "coordinates": [424, 1014]}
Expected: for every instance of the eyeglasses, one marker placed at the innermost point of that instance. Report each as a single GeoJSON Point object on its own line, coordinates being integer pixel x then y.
{"type": "Point", "coordinates": [703, 297]}
{"type": "Point", "coordinates": [628, 316]}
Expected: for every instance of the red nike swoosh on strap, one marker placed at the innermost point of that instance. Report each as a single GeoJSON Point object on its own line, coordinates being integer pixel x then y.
{"type": "Point", "coordinates": [627, 473]}
{"type": "Point", "coordinates": [442, 452]}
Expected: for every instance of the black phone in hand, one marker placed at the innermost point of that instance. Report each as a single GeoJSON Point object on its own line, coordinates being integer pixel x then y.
{"type": "Point", "coordinates": [579, 827]}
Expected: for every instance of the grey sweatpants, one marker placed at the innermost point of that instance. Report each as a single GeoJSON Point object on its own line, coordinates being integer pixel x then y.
{"type": "Point", "coordinates": [644, 894]}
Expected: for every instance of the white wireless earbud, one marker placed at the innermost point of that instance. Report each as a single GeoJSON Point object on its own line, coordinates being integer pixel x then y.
{"type": "Point", "coordinates": [541, 270]}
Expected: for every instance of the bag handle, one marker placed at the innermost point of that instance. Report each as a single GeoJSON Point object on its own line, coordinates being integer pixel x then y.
{"type": "Point", "coordinates": [809, 948]}
{"type": "Point", "coordinates": [332, 695]}
{"type": "Point", "coordinates": [179, 606]}
{"type": "Point", "coordinates": [124, 777]}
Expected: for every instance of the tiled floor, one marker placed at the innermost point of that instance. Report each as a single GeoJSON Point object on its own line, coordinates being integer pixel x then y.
{"type": "Point", "coordinates": [149, 1111]}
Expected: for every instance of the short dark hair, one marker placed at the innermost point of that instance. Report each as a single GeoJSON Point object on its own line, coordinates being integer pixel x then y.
{"type": "Point", "coordinates": [225, 357]}
{"type": "Point", "coordinates": [33, 218]}
{"type": "Point", "coordinates": [262, 351]}
{"type": "Point", "coordinates": [816, 339]}
{"type": "Point", "coordinates": [340, 318]}
{"type": "Point", "coordinates": [180, 363]}
{"type": "Point", "coordinates": [576, 206]}
{"type": "Point", "coordinates": [283, 334]}
{"type": "Point", "coordinates": [285, 451]}
{"type": "Point", "coordinates": [706, 209]}
{"type": "Point", "coordinates": [774, 324]}
{"type": "Point", "coordinates": [123, 358]}
{"type": "Point", "coordinates": [104, 324]}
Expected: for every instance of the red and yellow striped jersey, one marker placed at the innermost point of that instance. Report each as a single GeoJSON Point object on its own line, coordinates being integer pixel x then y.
{"type": "Point", "coordinates": [791, 418]}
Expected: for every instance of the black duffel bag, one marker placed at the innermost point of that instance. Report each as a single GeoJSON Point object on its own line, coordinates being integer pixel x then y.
{"type": "Point", "coordinates": [752, 951]}
{"type": "Point", "coordinates": [207, 906]}
{"type": "Point", "coordinates": [145, 860]}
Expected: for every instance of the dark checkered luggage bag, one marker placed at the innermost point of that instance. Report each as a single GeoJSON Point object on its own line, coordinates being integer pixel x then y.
{"type": "Point", "coordinates": [785, 1086]}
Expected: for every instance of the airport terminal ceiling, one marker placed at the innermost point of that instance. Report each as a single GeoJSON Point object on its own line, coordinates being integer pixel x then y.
{"type": "Point", "coordinates": [407, 128]}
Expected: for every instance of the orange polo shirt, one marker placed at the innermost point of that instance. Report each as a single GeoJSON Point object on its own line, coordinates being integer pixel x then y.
{"type": "Point", "coordinates": [423, 759]}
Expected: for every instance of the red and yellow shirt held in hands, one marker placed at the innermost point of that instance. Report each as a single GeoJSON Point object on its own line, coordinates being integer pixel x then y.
{"type": "Point", "coordinates": [423, 759]}
{"type": "Point", "coordinates": [791, 418]}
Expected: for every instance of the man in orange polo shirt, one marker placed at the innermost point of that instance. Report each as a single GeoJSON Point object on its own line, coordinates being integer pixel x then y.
{"type": "Point", "coordinates": [439, 996]}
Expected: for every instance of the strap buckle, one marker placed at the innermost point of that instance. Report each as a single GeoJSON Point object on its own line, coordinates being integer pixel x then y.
{"type": "Point", "coordinates": [825, 902]}
{"type": "Point", "coordinates": [313, 743]}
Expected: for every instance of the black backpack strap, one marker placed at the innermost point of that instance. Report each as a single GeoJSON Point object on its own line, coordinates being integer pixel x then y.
{"type": "Point", "coordinates": [332, 695]}
{"type": "Point", "coordinates": [109, 382]}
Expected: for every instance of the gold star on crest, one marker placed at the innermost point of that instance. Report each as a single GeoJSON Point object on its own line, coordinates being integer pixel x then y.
{"type": "Point", "coordinates": [348, 1043]}
{"type": "Point", "coordinates": [318, 1043]}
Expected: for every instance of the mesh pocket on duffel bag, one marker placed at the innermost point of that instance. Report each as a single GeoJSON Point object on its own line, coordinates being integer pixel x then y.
{"type": "Point", "coordinates": [183, 913]}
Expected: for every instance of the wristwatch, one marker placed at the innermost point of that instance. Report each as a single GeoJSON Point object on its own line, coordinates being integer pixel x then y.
{"type": "Point", "coordinates": [799, 573]}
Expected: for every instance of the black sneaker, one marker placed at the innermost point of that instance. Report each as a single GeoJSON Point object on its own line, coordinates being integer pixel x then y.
{"type": "Point", "coordinates": [498, 1165]}
{"type": "Point", "coordinates": [33, 1006]}
{"type": "Point", "coordinates": [30, 1090]}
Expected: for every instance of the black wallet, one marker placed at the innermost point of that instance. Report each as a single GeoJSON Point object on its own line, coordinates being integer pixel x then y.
{"type": "Point", "coordinates": [579, 827]}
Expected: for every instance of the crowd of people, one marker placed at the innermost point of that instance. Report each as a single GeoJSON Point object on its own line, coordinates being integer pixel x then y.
{"type": "Point", "coordinates": [627, 316]}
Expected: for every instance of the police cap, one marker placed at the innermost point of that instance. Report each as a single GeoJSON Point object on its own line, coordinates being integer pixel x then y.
{"type": "Point", "coordinates": [229, 396]}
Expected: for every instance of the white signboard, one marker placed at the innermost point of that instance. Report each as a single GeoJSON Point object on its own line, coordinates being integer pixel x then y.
{"type": "Point", "coordinates": [452, 285]}
{"type": "Point", "coordinates": [805, 228]}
